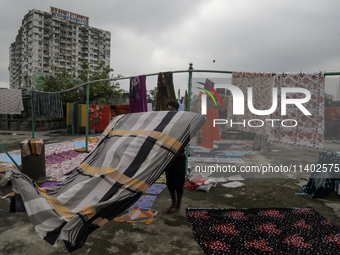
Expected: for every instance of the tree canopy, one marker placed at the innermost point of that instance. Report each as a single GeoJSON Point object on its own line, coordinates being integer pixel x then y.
{"type": "Point", "coordinates": [64, 80]}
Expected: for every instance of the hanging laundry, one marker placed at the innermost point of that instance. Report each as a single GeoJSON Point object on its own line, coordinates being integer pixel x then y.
{"type": "Point", "coordinates": [149, 106]}
{"type": "Point", "coordinates": [99, 116]}
{"type": "Point", "coordinates": [309, 131]}
{"type": "Point", "coordinates": [137, 98]}
{"type": "Point", "coordinates": [209, 133]}
{"type": "Point", "coordinates": [262, 85]}
{"type": "Point", "coordinates": [81, 115]}
{"type": "Point", "coordinates": [48, 104]}
{"type": "Point", "coordinates": [165, 91]}
{"type": "Point", "coordinates": [71, 114]}
{"type": "Point", "coordinates": [129, 157]}
{"type": "Point", "coordinates": [11, 101]}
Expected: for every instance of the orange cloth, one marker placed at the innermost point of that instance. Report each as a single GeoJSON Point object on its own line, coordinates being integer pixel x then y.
{"type": "Point", "coordinates": [209, 132]}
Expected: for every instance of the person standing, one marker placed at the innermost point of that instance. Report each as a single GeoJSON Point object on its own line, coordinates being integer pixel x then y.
{"type": "Point", "coordinates": [175, 175]}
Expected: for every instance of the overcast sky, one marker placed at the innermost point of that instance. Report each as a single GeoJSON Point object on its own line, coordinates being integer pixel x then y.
{"type": "Point", "coordinates": [152, 36]}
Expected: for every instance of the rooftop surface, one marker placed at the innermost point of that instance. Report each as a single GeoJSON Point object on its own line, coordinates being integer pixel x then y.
{"type": "Point", "coordinates": [167, 235]}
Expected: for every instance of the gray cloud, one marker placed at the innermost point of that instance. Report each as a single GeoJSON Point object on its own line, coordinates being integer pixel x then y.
{"type": "Point", "coordinates": [155, 36]}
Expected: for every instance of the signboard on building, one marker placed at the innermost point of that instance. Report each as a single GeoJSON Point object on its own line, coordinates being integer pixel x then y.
{"type": "Point", "coordinates": [69, 16]}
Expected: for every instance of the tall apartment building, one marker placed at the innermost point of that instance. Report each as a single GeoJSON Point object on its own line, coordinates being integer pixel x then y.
{"type": "Point", "coordinates": [59, 38]}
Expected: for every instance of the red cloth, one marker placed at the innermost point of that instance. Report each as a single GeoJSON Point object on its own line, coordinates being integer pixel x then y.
{"type": "Point", "coordinates": [119, 109]}
{"type": "Point", "coordinates": [99, 116]}
{"type": "Point", "coordinates": [209, 132]}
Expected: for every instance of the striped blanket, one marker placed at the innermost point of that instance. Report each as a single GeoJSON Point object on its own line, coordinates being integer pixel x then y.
{"type": "Point", "coordinates": [131, 154]}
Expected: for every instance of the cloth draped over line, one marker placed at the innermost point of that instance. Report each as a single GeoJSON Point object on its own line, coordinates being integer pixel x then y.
{"type": "Point", "coordinates": [81, 115]}
{"type": "Point", "coordinates": [131, 154]}
{"type": "Point", "coordinates": [208, 133]}
{"type": "Point", "coordinates": [262, 84]}
{"type": "Point", "coordinates": [309, 131]}
{"type": "Point", "coordinates": [11, 101]}
{"type": "Point", "coordinates": [165, 91]}
{"type": "Point", "coordinates": [48, 104]}
{"type": "Point", "coordinates": [137, 98]}
{"type": "Point", "coordinates": [71, 114]}
{"type": "Point", "coordinates": [99, 116]}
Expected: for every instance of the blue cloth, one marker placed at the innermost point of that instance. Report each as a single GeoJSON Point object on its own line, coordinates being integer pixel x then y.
{"type": "Point", "coordinates": [16, 157]}
{"type": "Point", "coordinates": [78, 143]}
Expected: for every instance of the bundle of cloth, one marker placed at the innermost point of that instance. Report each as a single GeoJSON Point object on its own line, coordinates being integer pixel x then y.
{"type": "Point", "coordinates": [131, 154]}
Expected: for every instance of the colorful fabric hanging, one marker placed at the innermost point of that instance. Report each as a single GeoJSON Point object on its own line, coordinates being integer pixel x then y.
{"type": "Point", "coordinates": [262, 85]}
{"type": "Point", "coordinates": [165, 91]}
{"type": "Point", "coordinates": [137, 98]}
{"type": "Point", "coordinates": [81, 115]}
{"type": "Point", "coordinates": [71, 114]}
{"type": "Point", "coordinates": [309, 131]}
{"type": "Point", "coordinates": [99, 116]}
{"type": "Point", "coordinates": [133, 151]}
{"type": "Point", "coordinates": [48, 104]}
{"type": "Point", "coordinates": [209, 133]}
{"type": "Point", "coordinates": [11, 101]}
{"type": "Point", "coordinates": [149, 106]}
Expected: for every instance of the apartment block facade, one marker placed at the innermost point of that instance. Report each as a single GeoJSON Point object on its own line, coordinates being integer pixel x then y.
{"type": "Point", "coordinates": [59, 38]}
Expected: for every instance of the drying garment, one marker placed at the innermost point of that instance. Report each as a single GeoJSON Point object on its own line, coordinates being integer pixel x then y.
{"type": "Point", "coordinates": [137, 98]}
{"type": "Point", "coordinates": [71, 114]}
{"type": "Point", "coordinates": [165, 91]}
{"type": "Point", "coordinates": [149, 106]}
{"type": "Point", "coordinates": [11, 101]}
{"type": "Point", "coordinates": [48, 104]}
{"type": "Point", "coordinates": [209, 133]}
{"type": "Point", "coordinates": [262, 86]}
{"type": "Point", "coordinates": [99, 116]}
{"type": "Point", "coordinates": [81, 115]}
{"type": "Point", "coordinates": [131, 154]}
{"type": "Point", "coordinates": [309, 129]}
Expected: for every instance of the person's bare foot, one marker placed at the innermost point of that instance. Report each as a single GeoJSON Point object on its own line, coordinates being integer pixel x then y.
{"type": "Point", "coordinates": [169, 209]}
{"type": "Point", "coordinates": [176, 213]}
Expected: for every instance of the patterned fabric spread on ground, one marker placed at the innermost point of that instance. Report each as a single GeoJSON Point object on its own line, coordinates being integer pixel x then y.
{"type": "Point", "coordinates": [309, 131]}
{"type": "Point", "coordinates": [131, 154]}
{"type": "Point", "coordinates": [264, 231]}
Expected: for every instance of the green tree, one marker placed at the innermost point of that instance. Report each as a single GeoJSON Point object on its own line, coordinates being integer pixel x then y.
{"type": "Point", "coordinates": [151, 94]}
{"type": "Point", "coordinates": [99, 90]}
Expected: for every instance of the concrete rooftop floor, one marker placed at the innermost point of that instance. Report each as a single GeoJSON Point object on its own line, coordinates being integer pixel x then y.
{"type": "Point", "coordinates": [167, 235]}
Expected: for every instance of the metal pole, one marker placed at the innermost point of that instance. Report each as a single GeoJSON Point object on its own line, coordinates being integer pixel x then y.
{"type": "Point", "coordinates": [87, 115]}
{"type": "Point", "coordinates": [188, 109]}
{"type": "Point", "coordinates": [32, 110]}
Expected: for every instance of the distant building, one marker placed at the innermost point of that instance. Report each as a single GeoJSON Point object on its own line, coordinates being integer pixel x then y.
{"type": "Point", "coordinates": [59, 38]}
